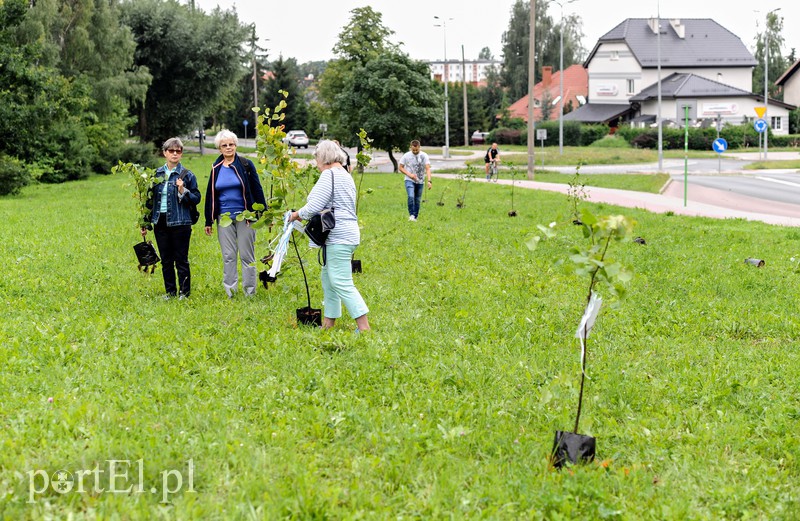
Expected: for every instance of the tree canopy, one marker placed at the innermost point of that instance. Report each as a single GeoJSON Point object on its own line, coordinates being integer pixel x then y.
{"type": "Point", "coordinates": [391, 97]}
{"type": "Point", "coordinates": [193, 57]}
{"type": "Point", "coordinates": [515, 45]}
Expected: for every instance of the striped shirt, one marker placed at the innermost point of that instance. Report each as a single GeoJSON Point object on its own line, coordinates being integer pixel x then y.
{"type": "Point", "coordinates": [344, 201]}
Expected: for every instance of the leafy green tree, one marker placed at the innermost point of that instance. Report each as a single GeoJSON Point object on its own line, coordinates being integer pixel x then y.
{"type": "Point", "coordinates": [515, 45]}
{"type": "Point", "coordinates": [485, 54]}
{"type": "Point", "coordinates": [777, 63]}
{"type": "Point", "coordinates": [393, 98]}
{"type": "Point", "coordinates": [192, 56]}
{"type": "Point", "coordinates": [67, 68]}
{"type": "Point", "coordinates": [363, 39]}
{"type": "Point", "coordinates": [286, 78]}
{"type": "Point", "coordinates": [492, 100]}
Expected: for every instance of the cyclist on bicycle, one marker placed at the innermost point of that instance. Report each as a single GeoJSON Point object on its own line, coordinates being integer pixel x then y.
{"type": "Point", "coordinates": [492, 156]}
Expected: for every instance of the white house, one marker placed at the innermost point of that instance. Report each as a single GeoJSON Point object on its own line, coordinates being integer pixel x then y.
{"type": "Point", "coordinates": [704, 67]}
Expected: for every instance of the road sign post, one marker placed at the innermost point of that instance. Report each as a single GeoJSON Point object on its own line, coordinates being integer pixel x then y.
{"type": "Point", "coordinates": [719, 146]}
{"type": "Point", "coordinates": [761, 127]}
{"type": "Point", "coordinates": [685, 153]}
{"type": "Point", "coordinates": [541, 135]}
{"type": "Point", "coordinates": [245, 123]}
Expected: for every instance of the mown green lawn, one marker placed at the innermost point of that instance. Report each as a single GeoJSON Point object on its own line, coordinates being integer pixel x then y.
{"type": "Point", "coordinates": [652, 183]}
{"type": "Point", "coordinates": [447, 410]}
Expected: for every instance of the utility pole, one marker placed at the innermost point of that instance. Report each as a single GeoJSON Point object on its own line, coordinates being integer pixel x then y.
{"type": "Point", "coordinates": [766, 81]}
{"type": "Point", "coordinates": [464, 80]}
{"type": "Point", "coordinates": [443, 25]}
{"type": "Point", "coordinates": [255, 67]}
{"type": "Point", "coordinates": [658, 119]}
{"type": "Point", "coordinates": [531, 85]}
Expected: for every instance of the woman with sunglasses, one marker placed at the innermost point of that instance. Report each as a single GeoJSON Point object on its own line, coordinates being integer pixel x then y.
{"type": "Point", "coordinates": [172, 220]}
{"type": "Point", "coordinates": [234, 187]}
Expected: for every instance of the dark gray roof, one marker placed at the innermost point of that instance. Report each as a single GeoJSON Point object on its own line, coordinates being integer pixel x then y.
{"type": "Point", "coordinates": [684, 85]}
{"type": "Point", "coordinates": [597, 112]}
{"type": "Point", "coordinates": [705, 44]}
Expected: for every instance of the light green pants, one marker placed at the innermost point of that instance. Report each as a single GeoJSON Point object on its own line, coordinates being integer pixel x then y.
{"type": "Point", "coordinates": [337, 283]}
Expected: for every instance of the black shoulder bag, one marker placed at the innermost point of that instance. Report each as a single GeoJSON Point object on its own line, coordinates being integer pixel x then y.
{"type": "Point", "coordinates": [319, 226]}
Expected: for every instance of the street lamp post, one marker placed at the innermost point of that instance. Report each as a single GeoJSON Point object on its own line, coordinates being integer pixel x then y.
{"type": "Point", "coordinates": [443, 25]}
{"type": "Point", "coordinates": [766, 80]}
{"type": "Point", "coordinates": [658, 118]}
{"type": "Point", "coordinates": [561, 76]}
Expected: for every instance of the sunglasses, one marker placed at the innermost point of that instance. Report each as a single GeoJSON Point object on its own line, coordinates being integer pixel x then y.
{"type": "Point", "coordinates": [226, 145]}
{"type": "Point", "coordinates": [175, 151]}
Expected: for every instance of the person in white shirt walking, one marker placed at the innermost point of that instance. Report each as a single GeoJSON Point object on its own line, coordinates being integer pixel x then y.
{"type": "Point", "coordinates": [416, 166]}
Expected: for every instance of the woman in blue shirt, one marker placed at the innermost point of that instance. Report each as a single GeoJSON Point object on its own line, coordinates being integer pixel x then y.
{"type": "Point", "coordinates": [233, 187]}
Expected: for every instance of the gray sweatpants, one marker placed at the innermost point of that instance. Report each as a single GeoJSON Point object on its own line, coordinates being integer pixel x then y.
{"type": "Point", "coordinates": [238, 238]}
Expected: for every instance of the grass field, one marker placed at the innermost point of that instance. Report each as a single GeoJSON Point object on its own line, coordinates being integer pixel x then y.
{"type": "Point", "coordinates": [446, 410]}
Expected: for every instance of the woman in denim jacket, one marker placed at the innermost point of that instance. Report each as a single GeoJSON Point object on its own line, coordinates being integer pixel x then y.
{"type": "Point", "coordinates": [171, 218]}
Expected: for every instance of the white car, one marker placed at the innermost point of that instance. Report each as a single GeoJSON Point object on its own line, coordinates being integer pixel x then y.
{"type": "Point", "coordinates": [296, 138]}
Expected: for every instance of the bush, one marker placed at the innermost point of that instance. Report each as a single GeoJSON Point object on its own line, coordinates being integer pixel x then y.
{"type": "Point", "coordinates": [505, 136]}
{"type": "Point", "coordinates": [645, 140]}
{"type": "Point", "coordinates": [611, 142]}
{"type": "Point", "coordinates": [591, 133]}
{"type": "Point", "coordinates": [784, 141]}
{"type": "Point", "coordinates": [139, 153]}
{"type": "Point", "coordinates": [13, 175]}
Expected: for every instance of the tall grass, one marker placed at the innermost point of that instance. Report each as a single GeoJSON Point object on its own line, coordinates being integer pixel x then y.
{"type": "Point", "coordinates": [446, 410]}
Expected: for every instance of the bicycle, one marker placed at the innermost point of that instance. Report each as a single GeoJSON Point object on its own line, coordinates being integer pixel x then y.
{"type": "Point", "coordinates": [493, 176]}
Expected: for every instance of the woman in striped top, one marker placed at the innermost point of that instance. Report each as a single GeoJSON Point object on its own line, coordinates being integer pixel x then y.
{"type": "Point", "coordinates": [337, 275]}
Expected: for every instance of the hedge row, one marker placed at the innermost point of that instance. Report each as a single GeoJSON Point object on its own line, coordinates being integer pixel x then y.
{"type": "Point", "coordinates": [577, 134]}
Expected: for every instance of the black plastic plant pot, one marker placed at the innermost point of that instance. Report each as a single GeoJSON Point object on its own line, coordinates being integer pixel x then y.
{"type": "Point", "coordinates": [577, 222]}
{"type": "Point", "coordinates": [440, 203]}
{"type": "Point", "coordinates": [758, 263]}
{"type": "Point", "coordinates": [264, 277]}
{"type": "Point", "coordinates": [309, 316]}
{"type": "Point", "coordinates": [512, 213]}
{"type": "Point", "coordinates": [355, 265]}
{"type": "Point", "coordinates": [572, 447]}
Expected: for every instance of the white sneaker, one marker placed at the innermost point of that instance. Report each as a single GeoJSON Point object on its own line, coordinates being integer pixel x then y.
{"type": "Point", "coordinates": [412, 218]}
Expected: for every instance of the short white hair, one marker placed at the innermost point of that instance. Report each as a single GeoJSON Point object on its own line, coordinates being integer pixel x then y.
{"type": "Point", "coordinates": [329, 152]}
{"type": "Point", "coordinates": [225, 135]}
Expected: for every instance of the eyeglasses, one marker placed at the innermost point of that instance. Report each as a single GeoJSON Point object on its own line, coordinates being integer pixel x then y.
{"type": "Point", "coordinates": [226, 145]}
{"type": "Point", "coordinates": [175, 151]}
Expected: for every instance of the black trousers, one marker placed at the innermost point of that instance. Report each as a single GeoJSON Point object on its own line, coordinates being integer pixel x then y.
{"type": "Point", "coordinates": [173, 246]}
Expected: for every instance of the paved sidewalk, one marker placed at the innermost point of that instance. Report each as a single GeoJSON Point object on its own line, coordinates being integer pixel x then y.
{"type": "Point", "coordinates": [701, 202]}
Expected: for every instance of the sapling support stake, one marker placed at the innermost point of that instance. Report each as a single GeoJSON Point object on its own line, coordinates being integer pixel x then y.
{"type": "Point", "coordinates": [585, 338]}
{"type": "Point", "coordinates": [306, 315]}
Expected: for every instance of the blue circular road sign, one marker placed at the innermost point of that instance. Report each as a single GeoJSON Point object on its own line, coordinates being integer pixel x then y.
{"type": "Point", "coordinates": [720, 145]}
{"type": "Point", "coordinates": [245, 123]}
{"type": "Point", "coordinates": [760, 125]}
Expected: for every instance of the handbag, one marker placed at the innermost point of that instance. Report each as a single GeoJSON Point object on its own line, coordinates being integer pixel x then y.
{"type": "Point", "coordinates": [147, 256]}
{"type": "Point", "coordinates": [319, 226]}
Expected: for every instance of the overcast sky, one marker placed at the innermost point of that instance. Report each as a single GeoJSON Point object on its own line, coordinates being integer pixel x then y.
{"type": "Point", "coordinates": [308, 29]}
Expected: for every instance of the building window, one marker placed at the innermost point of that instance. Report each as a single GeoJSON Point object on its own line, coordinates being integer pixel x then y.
{"type": "Point", "coordinates": [614, 55]}
{"type": "Point", "coordinates": [776, 123]}
{"type": "Point", "coordinates": [536, 102]}
{"type": "Point", "coordinates": [630, 87]}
